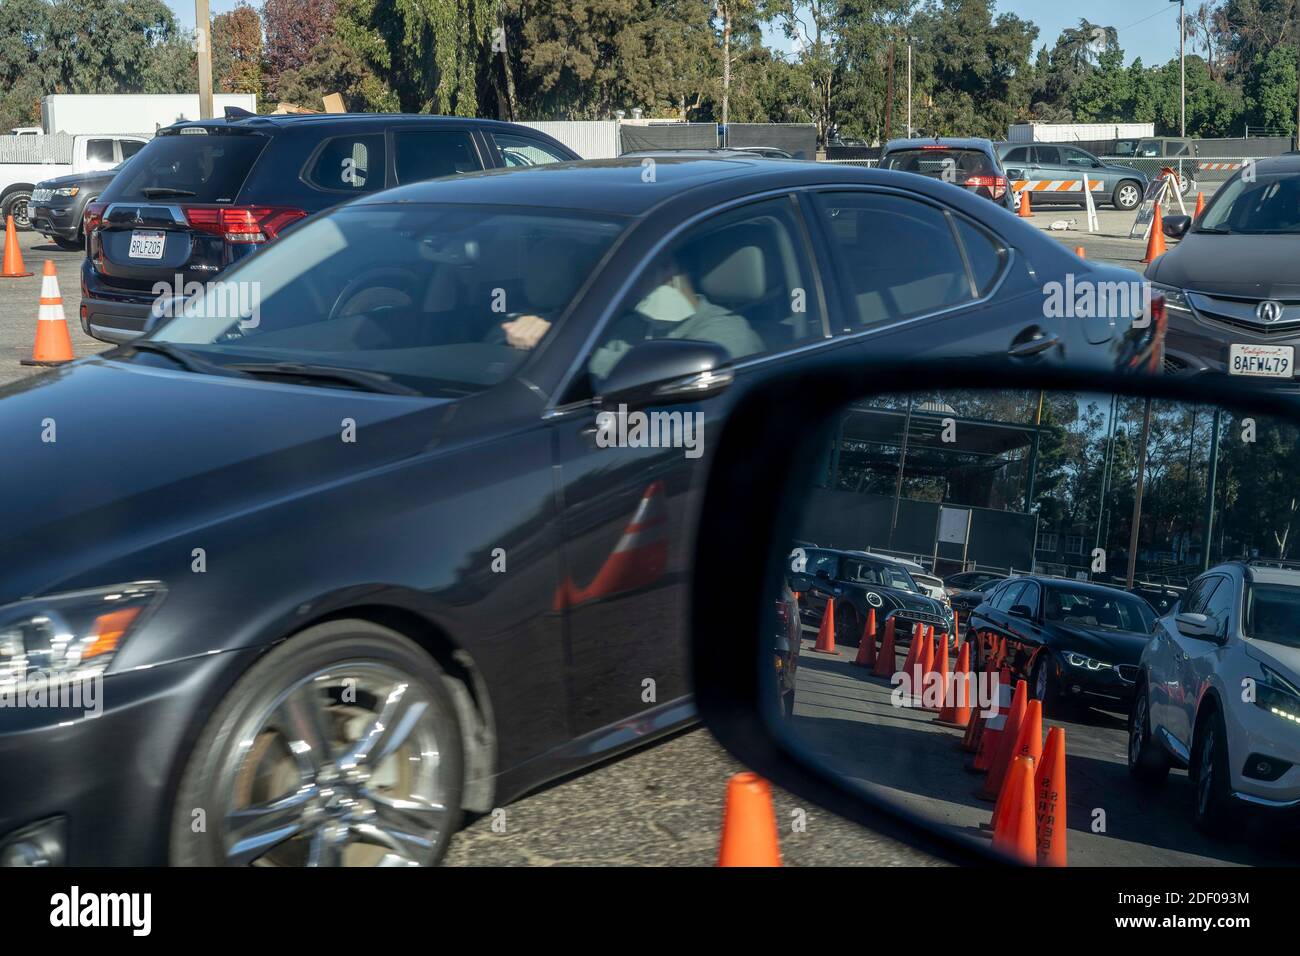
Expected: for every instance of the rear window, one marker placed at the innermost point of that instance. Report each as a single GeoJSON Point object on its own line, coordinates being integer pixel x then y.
{"type": "Point", "coordinates": [932, 161]}
{"type": "Point", "coordinates": [351, 164]}
{"type": "Point", "coordinates": [194, 167]}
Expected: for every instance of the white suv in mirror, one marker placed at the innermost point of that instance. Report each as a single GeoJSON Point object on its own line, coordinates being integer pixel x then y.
{"type": "Point", "coordinates": [1219, 692]}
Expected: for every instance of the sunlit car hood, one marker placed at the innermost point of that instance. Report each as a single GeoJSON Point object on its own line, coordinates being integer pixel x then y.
{"type": "Point", "coordinates": [1285, 660]}
{"type": "Point", "coordinates": [1254, 266]}
{"type": "Point", "coordinates": [141, 453]}
{"type": "Point", "coordinates": [1113, 647]}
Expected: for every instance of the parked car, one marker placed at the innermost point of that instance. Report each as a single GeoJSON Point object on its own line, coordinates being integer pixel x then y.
{"type": "Point", "coordinates": [1120, 186]}
{"type": "Point", "coordinates": [969, 580]}
{"type": "Point", "coordinates": [927, 582]}
{"type": "Point", "coordinates": [970, 163]}
{"type": "Point", "coordinates": [1230, 289]}
{"type": "Point", "coordinates": [1074, 642]}
{"type": "Point", "coordinates": [391, 481]}
{"type": "Point", "coordinates": [1219, 693]}
{"type": "Point", "coordinates": [58, 205]}
{"type": "Point", "coordinates": [964, 602]}
{"type": "Point", "coordinates": [859, 582]}
{"type": "Point", "coordinates": [29, 160]}
{"type": "Point", "coordinates": [204, 194]}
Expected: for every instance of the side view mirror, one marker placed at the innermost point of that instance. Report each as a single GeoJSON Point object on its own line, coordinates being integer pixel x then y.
{"type": "Point", "coordinates": [880, 719]}
{"type": "Point", "coordinates": [800, 581]}
{"type": "Point", "coordinates": [1195, 625]}
{"type": "Point", "coordinates": [1175, 227]}
{"type": "Point", "coordinates": [667, 370]}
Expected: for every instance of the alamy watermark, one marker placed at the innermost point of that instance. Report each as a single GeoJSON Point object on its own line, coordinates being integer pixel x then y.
{"type": "Point", "coordinates": [216, 299]}
{"type": "Point", "coordinates": [40, 691]}
{"type": "Point", "coordinates": [624, 429]}
{"type": "Point", "coordinates": [1091, 299]}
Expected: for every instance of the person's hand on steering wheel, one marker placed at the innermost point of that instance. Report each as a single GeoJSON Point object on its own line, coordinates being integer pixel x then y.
{"type": "Point", "coordinates": [525, 331]}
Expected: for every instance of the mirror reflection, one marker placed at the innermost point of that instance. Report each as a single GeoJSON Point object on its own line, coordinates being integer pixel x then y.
{"type": "Point", "coordinates": [1060, 622]}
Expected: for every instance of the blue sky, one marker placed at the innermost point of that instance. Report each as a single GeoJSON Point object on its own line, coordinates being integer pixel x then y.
{"type": "Point", "coordinates": [1147, 28]}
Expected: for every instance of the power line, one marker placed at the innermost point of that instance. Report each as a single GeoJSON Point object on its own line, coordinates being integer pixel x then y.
{"type": "Point", "coordinates": [1145, 19]}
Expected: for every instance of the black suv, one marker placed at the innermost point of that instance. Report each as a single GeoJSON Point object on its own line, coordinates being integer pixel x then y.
{"type": "Point", "coordinates": [203, 194]}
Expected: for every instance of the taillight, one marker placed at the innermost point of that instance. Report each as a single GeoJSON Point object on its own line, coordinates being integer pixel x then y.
{"type": "Point", "coordinates": [243, 223]}
{"type": "Point", "coordinates": [93, 216]}
{"type": "Point", "coordinates": [996, 183]}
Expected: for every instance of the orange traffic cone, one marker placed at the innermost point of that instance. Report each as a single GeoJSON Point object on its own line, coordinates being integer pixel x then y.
{"type": "Point", "coordinates": [1029, 743]}
{"type": "Point", "coordinates": [1049, 793]}
{"type": "Point", "coordinates": [956, 706]}
{"type": "Point", "coordinates": [924, 664]}
{"type": "Point", "coordinates": [938, 673]}
{"type": "Point", "coordinates": [1006, 743]}
{"type": "Point", "coordinates": [983, 742]}
{"type": "Point", "coordinates": [1200, 205]}
{"type": "Point", "coordinates": [1156, 241]}
{"type": "Point", "coordinates": [1081, 252]}
{"type": "Point", "coordinates": [53, 345]}
{"type": "Point", "coordinates": [913, 651]}
{"type": "Point", "coordinates": [13, 264]}
{"type": "Point", "coordinates": [867, 646]}
{"type": "Point", "coordinates": [638, 559]}
{"type": "Point", "coordinates": [826, 630]}
{"type": "Point", "coordinates": [1025, 212]}
{"type": "Point", "coordinates": [748, 824]}
{"type": "Point", "coordinates": [1013, 833]}
{"type": "Point", "coordinates": [885, 660]}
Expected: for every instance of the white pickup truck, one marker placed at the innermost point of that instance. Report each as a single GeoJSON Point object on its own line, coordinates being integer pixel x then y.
{"type": "Point", "coordinates": [27, 160]}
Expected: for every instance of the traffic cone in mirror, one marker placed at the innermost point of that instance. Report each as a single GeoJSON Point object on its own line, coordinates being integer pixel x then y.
{"type": "Point", "coordinates": [867, 646]}
{"type": "Point", "coordinates": [1156, 241]}
{"type": "Point", "coordinates": [885, 660]}
{"type": "Point", "coordinates": [1006, 742]}
{"type": "Point", "coordinates": [53, 345]}
{"type": "Point", "coordinates": [1049, 796]}
{"type": "Point", "coordinates": [826, 631]}
{"type": "Point", "coordinates": [748, 824]}
{"type": "Point", "coordinates": [1014, 833]}
{"type": "Point", "coordinates": [1025, 212]}
{"type": "Point", "coordinates": [13, 264]}
{"type": "Point", "coordinates": [956, 707]}
{"type": "Point", "coordinates": [938, 673]}
{"type": "Point", "coordinates": [1200, 205]}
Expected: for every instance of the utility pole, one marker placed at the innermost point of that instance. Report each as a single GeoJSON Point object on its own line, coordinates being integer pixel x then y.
{"type": "Point", "coordinates": [889, 93]}
{"type": "Point", "coordinates": [1182, 69]}
{"type": "Point", "coordinates": [1211, 480]}
{"type": "Point", "coordinates": [898, 483]}
{"type": "Point", "coordinates": [1137, 498]}
{"type": "Point", "coordinates": [203, 44]}
{"type": "Point", "coordinates": [909, 87]}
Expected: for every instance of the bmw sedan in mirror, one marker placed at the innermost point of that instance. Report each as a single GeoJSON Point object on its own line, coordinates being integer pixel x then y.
{"type": "Point", "coordinates": [1067, 712]}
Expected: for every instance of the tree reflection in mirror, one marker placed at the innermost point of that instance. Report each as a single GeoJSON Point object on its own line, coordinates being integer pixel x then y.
{"type": "Point", "coordinates": [1062, 623]}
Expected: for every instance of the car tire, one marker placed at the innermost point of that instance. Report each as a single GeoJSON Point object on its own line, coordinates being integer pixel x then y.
{"type": "Point", "coordinates": [18, 205]}
{"type": "Point", "coordinates": [1127, 195]}
{"type": "Point", "coordinates": [1147, 761]}
{"type": "Point", "coordinates": [324, 798]}
{"type": "Point", "coordinates": [1044, 687]}
{"type": "Point", "coordinates": [1211, 786]}
{"type": "Point", "coordinates": [848, 624]}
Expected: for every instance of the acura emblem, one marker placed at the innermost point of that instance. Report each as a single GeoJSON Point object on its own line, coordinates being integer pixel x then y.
{"type": "Point", "coordinates": [1270, 310]}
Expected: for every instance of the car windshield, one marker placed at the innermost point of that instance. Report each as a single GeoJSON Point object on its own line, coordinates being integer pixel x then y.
{"type": "Point", "coordinates": [936, 160]}
{"type": "Point", "coordinates": [1265, 205]}
{"type": "Point", "coordinates": [878, 573]}
{"type": "Point", "coordinates": [1089, 608]}
{"type": "Point", "coordinates": [1273, 613]}
{"type": "Point", "coordinates": [415, 293]}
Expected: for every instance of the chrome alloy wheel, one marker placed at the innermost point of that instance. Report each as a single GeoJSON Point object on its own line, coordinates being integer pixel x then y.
{"type": "Point", "coordinates": [342, 768]}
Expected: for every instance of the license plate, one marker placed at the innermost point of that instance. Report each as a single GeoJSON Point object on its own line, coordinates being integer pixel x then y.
{"type": "Point", "coordinates": [146, 245]}
{"type": "Point", "coordinates": [1270, 361]}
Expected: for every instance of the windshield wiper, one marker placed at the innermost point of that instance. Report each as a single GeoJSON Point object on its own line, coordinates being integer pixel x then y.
{"type": "Point", "coordinates": [1214, 230]}
{"type": "Point", "coordinates": [184, 358]}
{"type": "Point", "coordinates": [155, 192]}
{"type": "Point", "coordinates": [366, 381]}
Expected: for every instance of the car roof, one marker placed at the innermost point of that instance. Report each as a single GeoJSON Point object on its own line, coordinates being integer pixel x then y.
{"type": "Point", "coordinates": [956, 142]}
{"type": "Point", "coordinates": [1285, 165]}
{"type": "Point", "coordinates": [278, 120]}
{"type": "Point", "coordinates": [620, 186]}
{"type": "Point", "coordinates": [1074, 585]}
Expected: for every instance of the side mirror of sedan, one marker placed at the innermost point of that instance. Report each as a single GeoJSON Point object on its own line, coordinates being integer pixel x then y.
{"type": "Point", "coordinates": [664, 371]}
{"type": "Point", "coordinates": [800, 582]}
{"type": "Point", "coordinates": [1021, 610]}
{"type": "Point", "coordinates": [1175, 227]}
{"type": "Point", "coordinates": [854, 454]}
{"type": "Point", "coordinates": [1195, 625]}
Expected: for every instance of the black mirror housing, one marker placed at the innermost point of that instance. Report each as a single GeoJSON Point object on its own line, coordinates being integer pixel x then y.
{"type": "Point", "coordinates": [666, 370]}
{"type": "Point", "coordinates": [1175, 227]}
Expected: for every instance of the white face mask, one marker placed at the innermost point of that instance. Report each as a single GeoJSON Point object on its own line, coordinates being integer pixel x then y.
{"type": "Point", "coordinates": [666, 303]}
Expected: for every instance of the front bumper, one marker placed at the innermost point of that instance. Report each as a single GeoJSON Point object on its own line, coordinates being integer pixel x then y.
{"type": "Point", "coordinates": [1112, 686]}
{"type": "Point", "coordinates": [60, 221]}
{"type": "Point", "coordinates": [1255, 734]}
{"type": "Point", "coordinates": [111, 778]}
{"type": "Point", "coordinates": [1194, 345]}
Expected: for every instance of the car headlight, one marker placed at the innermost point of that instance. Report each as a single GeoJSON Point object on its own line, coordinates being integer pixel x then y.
{"type": "Point", "coordinates": [1081, 660]}
{"type": "Point", "coordinates": [1175, 298]}
{"type": "Point", "coordinates": [1278, 696]}
{"type": "Point", "coordinates": [69, 636]}
{"type": "Point", "coordinates": [66, 192]}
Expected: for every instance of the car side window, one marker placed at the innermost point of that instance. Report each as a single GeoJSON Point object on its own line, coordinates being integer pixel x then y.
{"type": "Point", "coordinates": [349, 164]}
{"type": "Point", "coordinates": [1218, 607]}
{"type": "Point", "coordinates": [822, 563]}
{"type": "Point", "coordinates": [1009, 597]}
{"type": "Point", "coordinates": [515, 150]}
{"type": "Point", "coordinates": [741, 279]}
{"type": "Point", "coordinates": [985, 252]}
{"type": "Point", "coordinates": [1029, 598]}
{"type": "Point", "coordinates": [1018, 155]}
{"type": "Point", "coordinates": [100, 151]}
{"type": "Point", "coordinates": [896, 258]}
{"type": "Point", "coordinates": [1048, 155]}
{"type": "Point", "coordinates": [1197, 595]}
{"type": "Point", "coordinates": [421, 154]}
{"type": "Point", "coordinates": [129, 147]}
{"type": "Point", "coordinates": [1076, 157]}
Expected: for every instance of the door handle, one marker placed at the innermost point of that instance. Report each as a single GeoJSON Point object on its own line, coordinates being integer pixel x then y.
{"type": "Point", "coordinates": [1032, 341]}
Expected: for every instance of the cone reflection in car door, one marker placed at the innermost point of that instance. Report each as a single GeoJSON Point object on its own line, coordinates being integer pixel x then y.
{"type": "Point", "coordinates": [638, 559]}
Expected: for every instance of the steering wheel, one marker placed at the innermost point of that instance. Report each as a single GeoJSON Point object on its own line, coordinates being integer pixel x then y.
{"type": "Point", "coordinates": [407, 283]}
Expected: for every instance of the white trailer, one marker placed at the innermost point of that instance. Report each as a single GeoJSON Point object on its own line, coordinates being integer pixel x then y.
{"type": "Point", "coordinates": [140, 113]}
{"type": "Point", "coordinates": [1076, 132]}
